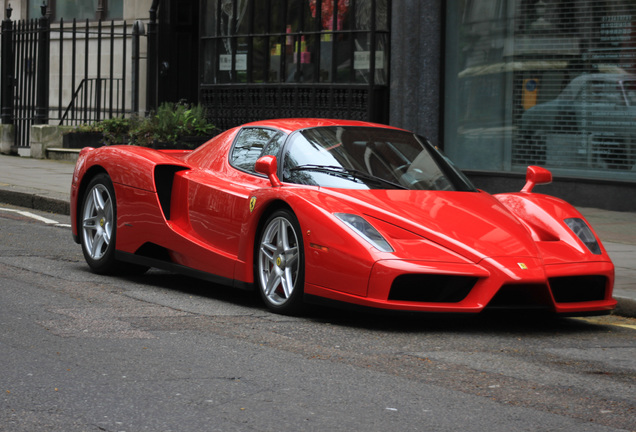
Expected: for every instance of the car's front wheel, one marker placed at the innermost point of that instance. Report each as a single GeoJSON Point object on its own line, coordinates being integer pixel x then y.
{"type": "Point", "coordinates": [280, 268]}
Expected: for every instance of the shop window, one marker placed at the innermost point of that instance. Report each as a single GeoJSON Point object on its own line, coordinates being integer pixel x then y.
{"type": "Point", "coordinates": [547, 82]}
{"type": "Point", "coordinates": [294, 41]}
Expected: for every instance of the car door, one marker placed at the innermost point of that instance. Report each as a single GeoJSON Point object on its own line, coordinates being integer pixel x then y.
{"type": "Point", "coordinates": [219, 205]}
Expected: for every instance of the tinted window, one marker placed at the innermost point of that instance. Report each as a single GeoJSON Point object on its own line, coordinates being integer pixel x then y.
{"type": "Point", "coordinates": [368, 158]}
{"type": "Point", "coordinates": [251, 144]}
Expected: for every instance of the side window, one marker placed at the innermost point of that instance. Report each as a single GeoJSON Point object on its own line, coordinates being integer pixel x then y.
{"type": "Point", "coordinates": [272, 148]}
{"type": "Point", "coordinates": [250, 145]}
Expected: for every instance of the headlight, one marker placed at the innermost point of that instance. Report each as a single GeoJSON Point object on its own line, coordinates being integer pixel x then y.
{"type": "Point", "coordinates": [365, 230]}
{"type": "Point", "coordinates": [583, 232]}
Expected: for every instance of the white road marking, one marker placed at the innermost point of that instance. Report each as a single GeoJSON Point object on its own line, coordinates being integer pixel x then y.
{"type": "Point", "coordinates": [36, 217]}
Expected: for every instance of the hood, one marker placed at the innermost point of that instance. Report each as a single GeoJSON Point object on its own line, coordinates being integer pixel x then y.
{"type": "Point", "coordinates": [472, 224]}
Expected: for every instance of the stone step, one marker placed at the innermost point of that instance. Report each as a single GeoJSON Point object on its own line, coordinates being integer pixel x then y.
{"type": "Point", "coordinates": [58, 153]}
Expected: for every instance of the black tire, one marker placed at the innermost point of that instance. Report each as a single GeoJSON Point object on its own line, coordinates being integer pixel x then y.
{"type": "Point", "coordinates": [98, 228]}
{"type": "Point", "coordinates": [280, 263]}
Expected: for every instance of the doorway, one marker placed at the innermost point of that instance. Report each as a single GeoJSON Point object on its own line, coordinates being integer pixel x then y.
{"type": "Point", "coordinates": [178, 51]}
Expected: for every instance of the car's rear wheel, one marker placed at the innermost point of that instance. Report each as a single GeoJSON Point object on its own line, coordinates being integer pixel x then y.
{"type": "Point", "coordinates": [98, 228]}
{"type": "Point", "coordinates": [280, 269]}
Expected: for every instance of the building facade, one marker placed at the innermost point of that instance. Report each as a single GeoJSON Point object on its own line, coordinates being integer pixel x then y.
{"type": "Point", "coordinates": [284, 58]}
{"type": "Point", "coordinates": [498, 84]}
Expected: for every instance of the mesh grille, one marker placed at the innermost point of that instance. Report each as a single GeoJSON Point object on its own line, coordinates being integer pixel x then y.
{"type": "Point", "coordinates": [545, 82]}
{"type": "Point", "coordinates": [229, 106]}
{"type": "Point", "coordinates": [575, 102]}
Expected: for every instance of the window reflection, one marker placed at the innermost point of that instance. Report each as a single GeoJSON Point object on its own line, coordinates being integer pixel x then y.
{"type": "Point", "coordinates": [367, 158]}
{"type": "Point", "coordinates": [542, 82]}
{"type": "Point", "coordinates": [253, 143]}
{"type": "Point", "coordinates": [295, 41]}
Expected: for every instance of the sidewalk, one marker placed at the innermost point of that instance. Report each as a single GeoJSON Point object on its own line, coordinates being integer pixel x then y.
{"type": "Point", "coordinates": [45, 185]}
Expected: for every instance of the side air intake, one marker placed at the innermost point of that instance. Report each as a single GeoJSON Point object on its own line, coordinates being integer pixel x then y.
{"type": "Point", "coordinates": [164, 177]}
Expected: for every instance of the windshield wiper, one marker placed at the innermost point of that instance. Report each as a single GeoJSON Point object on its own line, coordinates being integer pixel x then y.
{"type": "Point", "coordinates": [349, 172]}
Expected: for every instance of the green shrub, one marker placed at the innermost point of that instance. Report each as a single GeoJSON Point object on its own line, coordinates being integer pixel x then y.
{"type": "Point", "coordinates": [172, 121]}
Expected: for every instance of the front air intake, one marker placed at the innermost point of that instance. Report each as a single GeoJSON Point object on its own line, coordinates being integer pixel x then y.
{"type": "Point", "coordinates": [431, 288]}
{"type": "Point", "coordinates": [521, 296]}
{"type": "Point", "coordinates": [572, 289]}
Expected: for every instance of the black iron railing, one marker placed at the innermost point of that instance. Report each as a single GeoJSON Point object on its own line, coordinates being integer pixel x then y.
{"type": "Point", "coordinates": [94, 76]}
{"type": "Point", "coordinates": [95, 99]}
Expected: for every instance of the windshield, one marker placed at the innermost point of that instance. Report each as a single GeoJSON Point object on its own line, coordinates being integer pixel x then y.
{"type": "Point", "coordinates": [368, 158]}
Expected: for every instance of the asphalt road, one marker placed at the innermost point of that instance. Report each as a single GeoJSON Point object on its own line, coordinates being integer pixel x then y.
{"type": "Point", "coordinates": [161, 352]}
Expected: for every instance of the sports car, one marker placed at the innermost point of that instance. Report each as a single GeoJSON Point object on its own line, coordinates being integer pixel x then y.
{"type": "Point", "coordinates": [343, 211]}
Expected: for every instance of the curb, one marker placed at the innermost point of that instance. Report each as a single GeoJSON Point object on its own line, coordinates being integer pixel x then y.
{"type": "Point", "coordinates": [36, 202]}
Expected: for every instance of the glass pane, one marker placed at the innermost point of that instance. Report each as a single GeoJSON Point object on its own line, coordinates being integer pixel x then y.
{"type": "Point", "coordinates": [294, 10]}
{"type": "Point", "coordinates": [224, 55]}
{"type": "Point", "coordinates": [309, 23]}
{"type": "Point", "coordinates": [260, 52]}
{"type": "Point", "coordinates": [231, 24]}
{"type": "Point", "coordinates": [381, 59]}
{"type": "Point", "coordinates": [261, 13]}
{"type": "Point", "coordinates": [208, 61]}
{"type": "Point", "coordinates": [291, 57]}
{"type": "Point", "coordinates": [326, 55]}
{"type": "Point", "coordinates": [80, 9]}
{"type": "Point", "coordinates": [115, 9]}
{"type": "Point", "coordinates": [241, 60]}
{"type": "Point", "coordinates": [329, 19]}
{"type": "Point", "coordinates": [325, 13]}
{"type": "Point", "coordinates": [208, 18]}
{"type": "Point", "coordinates": [276, 47]}
{"type": "Point", "coordinates": [362, 58]}
{"type": "Point", "coordinates": [558, 96]}
{"type": "Point", "coordinates": [307, 57]}
{"type": "Point", "coordinates": [382, 15]}
{"type": "Point", "coordinates": [243, 17]}
{"type": "Point", "coordinates": [361, 19]}
{"type": "Point", "coordinates": [277, 16]}
{"type": "Point", "coordinates": [344, 60]}
{"type": "Point", "coordinates": [300, 58]}
{"type": "Point", "coordinates": [34, 9]}
{"type": "Point", "coordinates": [345, 15]}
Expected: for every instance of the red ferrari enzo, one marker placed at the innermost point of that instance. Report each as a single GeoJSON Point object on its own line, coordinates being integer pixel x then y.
{"type": "Point", "coordinates": [336, 210]}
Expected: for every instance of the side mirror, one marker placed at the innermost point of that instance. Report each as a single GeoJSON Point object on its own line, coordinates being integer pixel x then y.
{"type": "Point", "coordinates": [536, 175]}
{"type": "Point", "coordinates": [267, 165]}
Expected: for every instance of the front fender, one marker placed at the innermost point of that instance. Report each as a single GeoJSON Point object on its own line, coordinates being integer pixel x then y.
{"type": "Point", "coordinates": [544, 216]}
{"type": "Point", "coordinates": [333, 256]}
